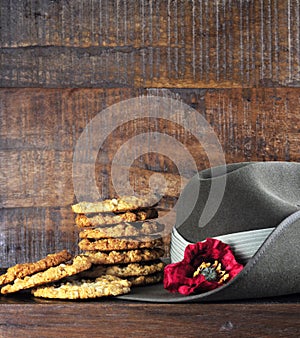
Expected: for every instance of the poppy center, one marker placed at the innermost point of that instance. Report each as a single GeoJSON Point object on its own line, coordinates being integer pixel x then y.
{"type": "Point", "coordinates": [209, 273]}
{"type": "Point", "coordinates": [212, 272]}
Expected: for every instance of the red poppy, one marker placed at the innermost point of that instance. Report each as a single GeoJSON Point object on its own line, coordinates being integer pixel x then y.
{"type": "Point", "coordinates": [205, 266]}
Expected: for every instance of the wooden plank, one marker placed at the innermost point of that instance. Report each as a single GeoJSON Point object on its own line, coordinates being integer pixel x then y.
{"type": "Point", "coordinates": [260, 125]}
{"type": "Point", "coordinates": [29, 234]}
{"type": "Point", "coordinates": [195, 44]}
{"type": "Point", "coordinates": [40, 128]}
{"type": "Point", "coordinates": [125, 319]}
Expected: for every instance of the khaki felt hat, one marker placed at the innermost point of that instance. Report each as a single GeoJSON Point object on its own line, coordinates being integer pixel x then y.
{"type": "Point", "coordinates": [257, 212]}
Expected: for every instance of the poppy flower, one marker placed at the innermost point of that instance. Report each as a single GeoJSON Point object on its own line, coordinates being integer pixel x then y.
{"type": "Point", "coordinates": [206, 266]}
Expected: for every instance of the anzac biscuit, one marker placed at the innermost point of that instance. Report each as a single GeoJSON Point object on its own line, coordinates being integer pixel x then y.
{"type": "Point", "coordinates": [135, 269]}
{"type": "Point", "coordinates": [122, 230]}
{"type": "Point", "coordinates": [122, 243]}
{"type": "Point", "coordinates": [146, 280]}
{"type": "Point", "coordinates": [84, 289]}
{"type": "Point", "coordinates": [121, 204]}
{"type": "Point", "coordinates": [108, 219]}
{"type": "Point", "coordinates": [26, 269]}
{"type": "Point", "coordinates": [122, 271]}
{"type": "Point", "coordinates": [52, 274]}
{"type": "Point", "coordinates": [126, 256]}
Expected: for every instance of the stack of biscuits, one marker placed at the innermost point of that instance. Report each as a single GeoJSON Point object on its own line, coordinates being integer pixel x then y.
{"type": "Point", "coordinates": [122, 238]}
{"type": "Point", "coordinates": [121, 246]}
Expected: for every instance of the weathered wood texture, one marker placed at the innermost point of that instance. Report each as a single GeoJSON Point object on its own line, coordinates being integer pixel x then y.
{"type": "Point", "coordinates": [119, 319]}
{"type": "Point", "coordinates": [63, 62]}
{"type": "Point", "coordinates": [178, 43]}
{"type": "Point", "coordinates": [39, 129]}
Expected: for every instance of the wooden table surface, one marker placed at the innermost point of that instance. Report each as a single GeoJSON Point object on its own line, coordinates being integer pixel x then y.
{"type": "Point", "coordinates": [63, 62]}
{"type": "Point", "coordinates": [21, 316]}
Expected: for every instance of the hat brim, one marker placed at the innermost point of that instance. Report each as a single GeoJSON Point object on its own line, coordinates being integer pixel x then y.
{"type": "Point", "coordinates": [272, 271]}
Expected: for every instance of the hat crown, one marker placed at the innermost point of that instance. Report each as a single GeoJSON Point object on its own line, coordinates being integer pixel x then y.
{"type": "Point", "coordinates": [258, 195]}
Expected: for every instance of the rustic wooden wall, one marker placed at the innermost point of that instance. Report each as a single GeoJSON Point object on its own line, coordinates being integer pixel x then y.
{"type": "Point", "coordinates": [62, 62]}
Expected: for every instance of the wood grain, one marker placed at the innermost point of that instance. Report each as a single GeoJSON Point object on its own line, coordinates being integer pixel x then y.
{"type": "Point", "coordinates": [39, 130]}
{"type": "Point", "coordinates": [123, 319]}
{"type": "Point", "coordinates": [63, 62]}
{"type": "Point", "coordinates": [180, 43]}
{"type": "Point", "coordinates": [28, 234]}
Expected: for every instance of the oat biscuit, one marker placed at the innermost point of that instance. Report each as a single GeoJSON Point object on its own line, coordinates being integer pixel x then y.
{"type": "Point", "coordinates": [123, 270]}
{"type": "Point", "coordinates": [84, 289]}
{"type": "Point", "coordinates": [134, 269]}
{"type": "Point", "coordinates": [122, 204]}
{"type": "Point", "coordinates": [122, 243]}
{"type": "Point", "coordinates": [27, 269]}
{"type": "Point", "coordinates": [126, 256]}
{"type": "Point", "coordinates": [146, 280]}
{"type": "Point", "coordinates": [52, 274]}
{"type": "Point", "coordinates": [122, 230]}
{"type": "Point", "coordinates": [108, 219]}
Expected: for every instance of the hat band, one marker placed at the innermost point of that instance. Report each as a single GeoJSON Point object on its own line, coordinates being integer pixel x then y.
{"type": "Point", "coordinates": [244, 244]}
